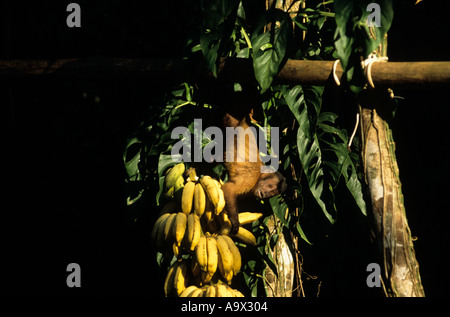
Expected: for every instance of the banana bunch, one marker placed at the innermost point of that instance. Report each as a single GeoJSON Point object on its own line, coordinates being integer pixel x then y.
{"type": "Point", "coordinates": [177, 279]}
{"type": "Point", "coordinates": [178, 230]}
{"type": "Point", "coordinates": [216, 252]}
{"type": "Point", "coordinates": [210, 252]}
{"type": "Point", "coordinates": [194, 227]}
{"type": "Point", "coordinates": [218, 290]}
{"type": "Point", "coordinates": [203, 195]}
{"type": "Point", "coordinates": [214, 192]}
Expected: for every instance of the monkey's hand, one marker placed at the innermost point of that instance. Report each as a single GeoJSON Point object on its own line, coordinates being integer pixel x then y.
{"type": "Point", "coordinates": [234, 219]}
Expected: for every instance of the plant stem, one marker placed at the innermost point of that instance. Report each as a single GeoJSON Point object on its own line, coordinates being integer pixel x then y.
{"type": "Point", "coordinates": [247, 39]}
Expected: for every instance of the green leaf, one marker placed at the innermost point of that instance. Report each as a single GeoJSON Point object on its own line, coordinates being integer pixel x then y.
{"type": "Point", "coordinates": [210, 43]}
{"type": "Point", "coordinates": [279, 209]}
{"type": "Point", "coordinates": [270, 48]}
{"type": "Point", "coordinates": [131, 157]}
{"type": "Point", "coordinates": [218, 23]}
{"type": "Point", "coordinates": [349, 171]}
{"type": "Point", "coordinates": [354, 40]}
{"type": "Point", "coordinates": [306, 112]}
{"type": "Point", "coordinates": [354, 185]}
{"type": "Point", "coordinates": [344, 165]}
{"type": "Point", "coordinates": [301, 233]}
{"type": "Point", "coordinates": [386, 18]}
{"type": "Point", "coordinates": [217, 11]}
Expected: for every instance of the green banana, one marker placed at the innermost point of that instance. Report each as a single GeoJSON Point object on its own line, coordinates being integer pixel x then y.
{"type": "Point", "coordinates": [172, 176]}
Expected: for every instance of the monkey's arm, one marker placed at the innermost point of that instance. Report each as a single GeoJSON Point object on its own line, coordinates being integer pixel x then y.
{"type": "Point", "coordinates": [231, 196]}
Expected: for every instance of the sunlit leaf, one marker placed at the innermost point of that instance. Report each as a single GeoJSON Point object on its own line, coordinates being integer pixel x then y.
{"type": "Point", "coordinates": [270, 48]}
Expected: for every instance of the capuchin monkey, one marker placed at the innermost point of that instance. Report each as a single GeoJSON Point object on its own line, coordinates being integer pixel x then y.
{"type": "Point", "coordinates": [244, 166]}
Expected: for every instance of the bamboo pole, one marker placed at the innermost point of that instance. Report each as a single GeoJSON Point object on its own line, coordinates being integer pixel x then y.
{"type": "Point", "coordinates": [293, 72]}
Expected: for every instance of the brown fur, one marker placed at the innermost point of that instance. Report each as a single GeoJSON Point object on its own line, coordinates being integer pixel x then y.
{"type": "Point", "coordinates": [245, 178]}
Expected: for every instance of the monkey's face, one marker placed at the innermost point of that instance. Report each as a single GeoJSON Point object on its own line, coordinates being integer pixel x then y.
{"type": "Point", "coordinates": [269, 185]}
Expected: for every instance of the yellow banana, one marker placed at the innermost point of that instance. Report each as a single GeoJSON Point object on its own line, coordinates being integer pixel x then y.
{"type": "Point", "coordinates": [223, 218]}
{"type": "Point", "coordinates": [213, 258]}
{"type": "Point", "coordinates": [176, 250]}
{"type": "Point", "coordinates": [221, 290]}
{"type": "Point", "coordinates": [168, 227]}
{"type": "Point", "coordinates": [157, 224]}
{"type": "Point", "coordinates": [179, 228]}
{"type": "Point", "coordinates": [245, 236]}
{"type": "Point", "coordinates": [199, 199]}
{"type": "Point", "coordinates": [193, 231]}
{"type": "Point", "coordinates": [160, 240]}
{"type": "Point", "coordinates": [178, 188]}
{"type": "Point", "coordinates": [188, 290]}
{"type": "Point", "coordinates": [237, 293]}
{"type": "Point", "coordinates": [244, 218]}
{"type": "Point", "coordinates": [210, 291]}
{"type": "Point", "coordinates": [228, 276]}
{"type": "Point", "coordinates": [169, 192]}
{"type": "Point", "coordinates": [230, 291]}
{"type": "Point", "coordinates": [226, 260]}
{"type": "Point", "coordinates": [221, 203]}
{"type": "Point", "coordinates": [236, 254]}
{"type": "Point", "coordinates": [225, 224]}
{"type": "Point", "coordinates": [248, 217]}
{"type": "Point", "coordinates": [179, 183]}
{"type": "Point", "coordinates": [168, 283]}
{"type": "Point", "coordinates": [208, 205]}
{"type": "Point", "coordinates": [201, 254]}
{"type": "Point", "coordinates": [196, 293]}
{"type": "Point", "coordinates": [180, 279]}
{"type": "Point", "coordinates": [172, 175]}
{"type": "Point", "coordinates": [187, 197]}
{"type": "Point", "coordinates": [211, 189]}
{"type": "Point", "coordinates": [208, 216]}
{"type": "Point", "coordinates": [191, 174]}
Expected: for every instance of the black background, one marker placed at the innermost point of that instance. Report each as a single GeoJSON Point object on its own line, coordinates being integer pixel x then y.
{"type": "Point", "coordinates": [64, 197]}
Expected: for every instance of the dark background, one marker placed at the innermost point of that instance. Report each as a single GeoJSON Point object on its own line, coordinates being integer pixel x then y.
{"type": "Point", "coordinates": [64, 198]}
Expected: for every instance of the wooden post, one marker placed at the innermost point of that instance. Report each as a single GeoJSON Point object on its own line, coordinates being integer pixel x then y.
{"type": "Point", "coordinates": [400, 269]}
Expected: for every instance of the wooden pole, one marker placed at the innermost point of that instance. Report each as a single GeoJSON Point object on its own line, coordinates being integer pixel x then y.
{"type": "Point", "coordinates": [293, 72]}
{"type": "Point", "coordinates": [384, 74]}
{"type": "Point", "coordinates": [400, 269]}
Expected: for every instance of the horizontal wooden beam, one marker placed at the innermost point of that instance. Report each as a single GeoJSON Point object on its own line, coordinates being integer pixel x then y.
{"type": "Point", "coordinates": [92, 67]}
{"type": "Point", "coordinates": [293, 72]}
{"type": "Point", "coordinates": [383, 73]}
